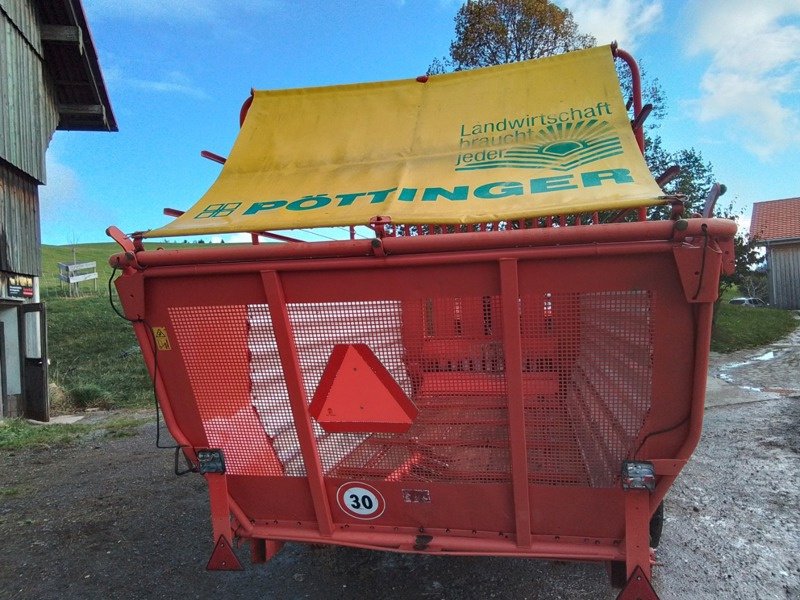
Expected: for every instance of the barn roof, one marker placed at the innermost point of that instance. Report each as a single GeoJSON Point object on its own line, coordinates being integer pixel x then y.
{"type": "Point", "coordinates": [775, 220]}
{"type": "Point", "coordinates": [71, 59]}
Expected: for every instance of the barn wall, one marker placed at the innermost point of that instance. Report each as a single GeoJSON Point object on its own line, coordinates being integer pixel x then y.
{"type": "Point", "coordinates": [20, 236]}
{"type": "Point", "coordinates": [29, 113]}
{"type": "Point", "coordinates": [784, 275]}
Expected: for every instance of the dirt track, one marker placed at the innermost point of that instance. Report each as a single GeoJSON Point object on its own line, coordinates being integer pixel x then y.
{"type": "Point", "coordinates": [109, 519]}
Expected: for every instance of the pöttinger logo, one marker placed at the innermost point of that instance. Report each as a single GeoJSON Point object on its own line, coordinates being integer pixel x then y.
{"type": "Point", "coordinates": [213, 211]}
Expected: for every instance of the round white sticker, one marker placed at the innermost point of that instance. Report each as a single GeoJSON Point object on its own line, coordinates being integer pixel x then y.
{"type": "Point", "coordinates": [360, 500]}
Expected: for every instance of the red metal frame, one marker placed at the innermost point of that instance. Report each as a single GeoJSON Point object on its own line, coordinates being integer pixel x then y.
{"type": "Point", "coordinates": [614, 256]}
{"type": "Point", "coordinates": [636, 92]}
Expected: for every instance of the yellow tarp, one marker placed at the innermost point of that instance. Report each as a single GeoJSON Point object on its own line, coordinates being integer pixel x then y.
{"type": "Point", "coordinates": [534, 138]}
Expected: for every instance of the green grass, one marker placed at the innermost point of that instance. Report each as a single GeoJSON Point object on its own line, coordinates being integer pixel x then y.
{"type": "Point", "coordinates": [17, 434]}
{"type": "Point", "coordinates": [94, 357]}
{"type": "Point", "coordinates": [738, 327]}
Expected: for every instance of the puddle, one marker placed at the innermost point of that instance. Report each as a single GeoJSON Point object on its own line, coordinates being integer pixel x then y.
{"type": "Point", "coordinates": [723, 371]}
{"type": "Point", "coordinates": [728, 379]}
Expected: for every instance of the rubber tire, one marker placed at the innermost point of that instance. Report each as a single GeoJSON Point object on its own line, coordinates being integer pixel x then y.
{"type": "Point", "coordinates": [617, 574]}
{"type": "Point", "coordinates": [656, 526]}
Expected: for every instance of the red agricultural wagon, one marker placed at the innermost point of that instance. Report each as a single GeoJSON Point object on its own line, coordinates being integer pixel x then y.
{"type": "Point", "coordinates": [527, 385]}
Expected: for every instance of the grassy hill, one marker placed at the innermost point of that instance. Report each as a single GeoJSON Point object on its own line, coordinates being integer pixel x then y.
{"type": "Point", "coordinates": [94, 358]}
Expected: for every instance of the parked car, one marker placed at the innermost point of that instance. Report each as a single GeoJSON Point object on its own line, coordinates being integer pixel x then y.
{"type": "Point", "coordinates": [752, 302]}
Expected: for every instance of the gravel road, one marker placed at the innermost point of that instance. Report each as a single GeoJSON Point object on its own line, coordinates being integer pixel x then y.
{"type": "Point", "coordinates": [108, 519]}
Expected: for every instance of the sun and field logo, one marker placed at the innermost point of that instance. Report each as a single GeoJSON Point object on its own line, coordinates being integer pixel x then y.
{"type": "Point", "coordinates": [559, 147]}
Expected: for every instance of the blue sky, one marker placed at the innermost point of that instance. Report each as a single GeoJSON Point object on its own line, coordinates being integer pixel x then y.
{"type": "Point", "coordinates": [177, 72]}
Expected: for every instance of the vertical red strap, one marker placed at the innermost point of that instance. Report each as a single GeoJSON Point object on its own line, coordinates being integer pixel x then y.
{"type": "Point", "coordinates": [262, 550]}
{"type": "Point", "coordinates": [290, 362]}
{"type": "Point", "coordinates": [512, 346]}
{"type": "Point", "coordinates": [637, 531]}
{"type": "Point", "coordinates": [220, 510]}
{"type": "Point", "coordinates": [222, 558]}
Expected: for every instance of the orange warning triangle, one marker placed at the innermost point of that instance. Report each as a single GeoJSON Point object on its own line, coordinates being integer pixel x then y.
{"type": "Point", "coordinates": [357, 394]}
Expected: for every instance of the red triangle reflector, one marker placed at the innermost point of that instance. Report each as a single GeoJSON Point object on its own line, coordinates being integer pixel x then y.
{"type": "Point", "coordinates": [223, 558]}
{"type": "Point", "coordinates": [357, 394]}
{"type": "Point", "coordinates": [638, 588]}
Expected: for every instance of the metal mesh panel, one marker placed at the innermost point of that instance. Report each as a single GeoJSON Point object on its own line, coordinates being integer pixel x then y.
{"type": "Point", "coordinates": [213, 343]}
{"type": "Point", "coordinates": [586, 362]}
{"type": "Point", "coordinates": [270, 396]}
{"type": "Point", "coordinates": [611, 386]}
{"type": "Point", "coordinates": [549, 339]}
{"type": "Point", "coordinates": [445, 354]}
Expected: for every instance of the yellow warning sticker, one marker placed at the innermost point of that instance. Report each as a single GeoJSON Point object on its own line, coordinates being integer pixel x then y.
{"type": "Point", "coordinates": [162, 339]}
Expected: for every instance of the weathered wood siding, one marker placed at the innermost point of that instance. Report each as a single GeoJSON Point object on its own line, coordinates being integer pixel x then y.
{"type": "Point", "coordinates": [20, 236]}
{"type": "Point", "coordinates": [28, 113]}
{"type": "Point", "coordinates": [784, 275]}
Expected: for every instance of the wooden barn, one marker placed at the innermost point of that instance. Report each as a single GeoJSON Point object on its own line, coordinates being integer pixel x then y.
{"type": "Point", "coordinates": [776, 225]}
{"type": "Point", "coordinates": [49, 79]}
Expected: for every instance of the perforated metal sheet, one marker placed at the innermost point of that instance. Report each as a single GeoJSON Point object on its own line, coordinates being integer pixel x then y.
{"type": "Point", "coordinates": [445, 354]}
{"type": "Point", "coordinates": [213, 343]}
{"type": "Point", "coordinates": [609, 389]}
{"type": "Point", "coordinates": [268, 388]}
{"type": "Point", "coordinates": [587, 376]}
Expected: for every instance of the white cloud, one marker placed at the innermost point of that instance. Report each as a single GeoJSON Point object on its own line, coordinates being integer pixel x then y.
{"type": "Point", "coordinates": [62, 192]}
{"type": "Point", "coordinates": [753, 76]}
{"type": "Point", "coordinates": [625, 21]}
{"type": "Point", "coordinates": [174, 82]}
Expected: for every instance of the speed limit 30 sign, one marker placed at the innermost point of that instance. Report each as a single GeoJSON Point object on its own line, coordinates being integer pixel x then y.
{"type": "Point", "coordinates": [360, 500]}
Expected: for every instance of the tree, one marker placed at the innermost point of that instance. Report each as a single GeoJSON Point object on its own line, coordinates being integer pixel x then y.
{"type": "Point", "coordinates": [492, 32]}
{"type": "Point", "coordinates": [694, 181]}
{"type": "Point", "coordinates": [749, 256]}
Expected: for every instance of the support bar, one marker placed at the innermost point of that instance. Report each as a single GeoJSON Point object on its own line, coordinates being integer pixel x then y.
{"type": "Point", "coordinates": [512, 346]}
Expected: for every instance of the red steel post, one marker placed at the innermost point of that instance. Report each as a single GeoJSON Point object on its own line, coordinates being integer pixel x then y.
{"type": "Point", "coordinates": [636, 92]}
{"type": "Point", "coordinates": [223, 558]}
{"type": "Point", "coordinates": [512, 346]}
{"type": "Point", "coordinates": [218, 499]}
{"type": "Point", "coordinates": [293, 374]}
{"type": "Point", "coordinates": [637, 531]}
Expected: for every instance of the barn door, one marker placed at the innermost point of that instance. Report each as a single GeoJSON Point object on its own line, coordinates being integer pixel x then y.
{"type": "Point", "coordinates": [33, 355]}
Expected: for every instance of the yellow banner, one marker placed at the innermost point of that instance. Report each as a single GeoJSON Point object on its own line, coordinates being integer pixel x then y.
{"type": "Point", "coordinates": [527, 139]}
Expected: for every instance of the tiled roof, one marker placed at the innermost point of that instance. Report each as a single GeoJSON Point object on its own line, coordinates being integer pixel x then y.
{"type": "Point", "coordinates": [776, 219]}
